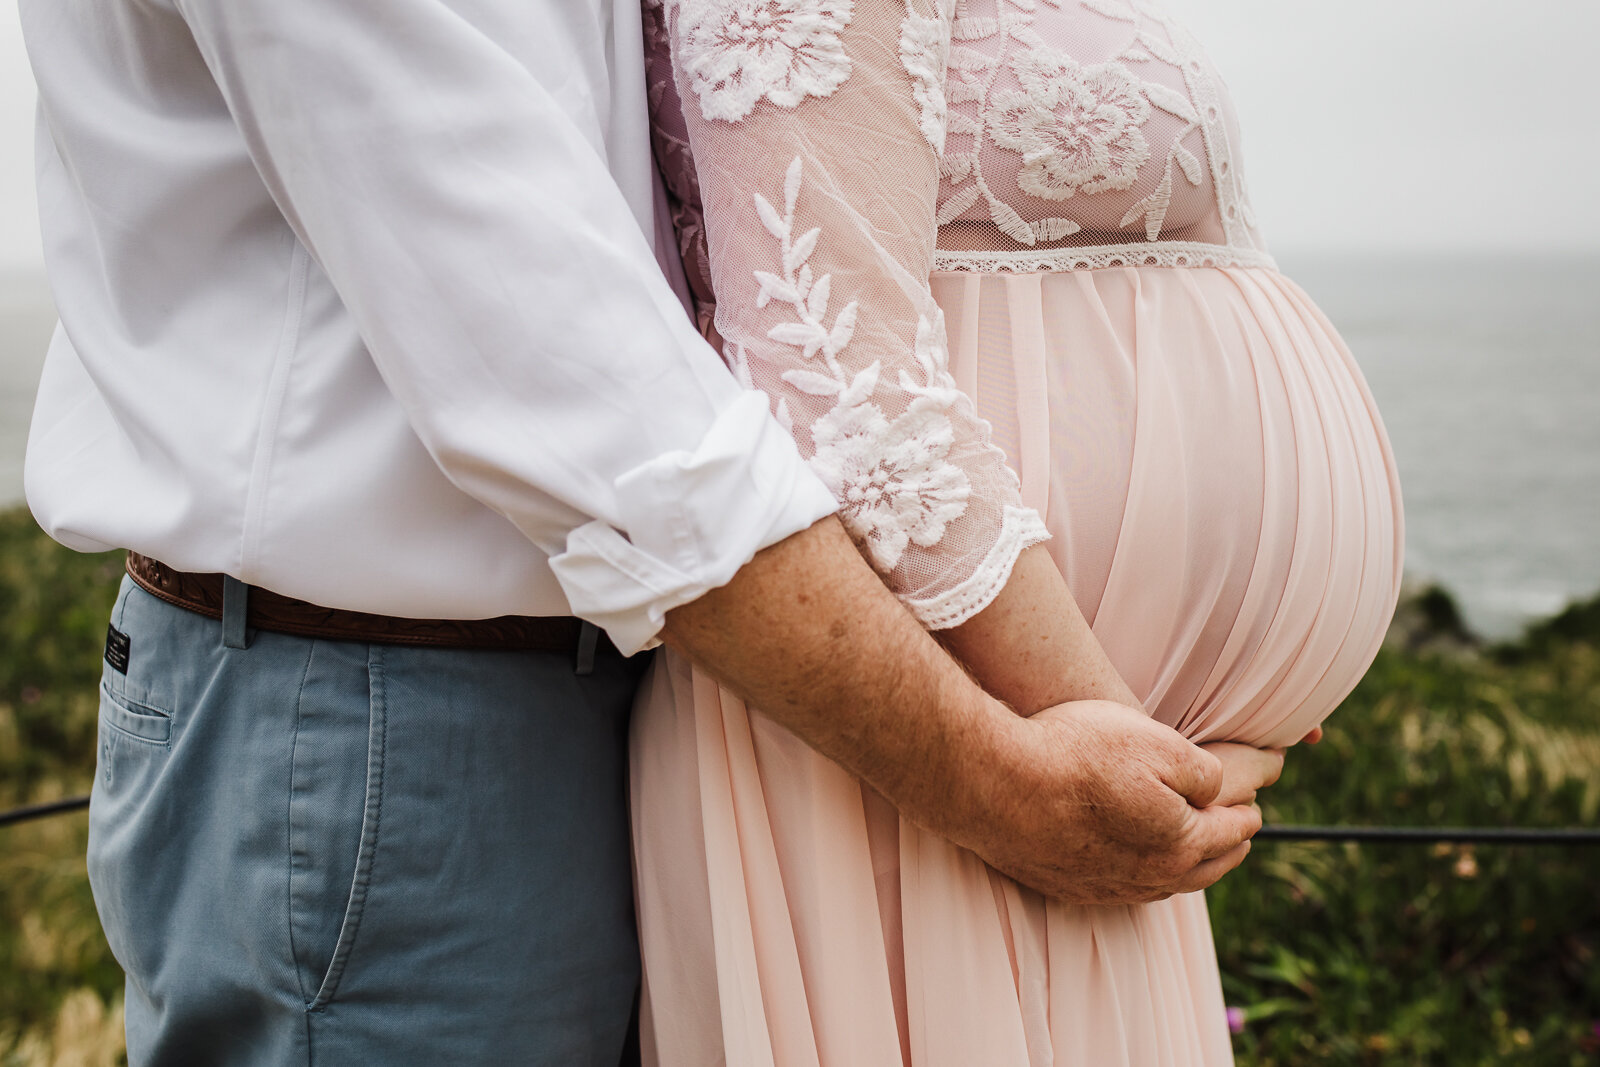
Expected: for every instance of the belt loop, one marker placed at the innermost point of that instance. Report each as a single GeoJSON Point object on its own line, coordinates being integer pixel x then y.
{"type": "Point", "coordinates": [235, 612]}
{"type": "Point", "coordinates": [588, 639]}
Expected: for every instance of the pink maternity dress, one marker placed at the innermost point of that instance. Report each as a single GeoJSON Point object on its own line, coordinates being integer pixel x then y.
{"type": "Point", "coordinates": [954, 244]}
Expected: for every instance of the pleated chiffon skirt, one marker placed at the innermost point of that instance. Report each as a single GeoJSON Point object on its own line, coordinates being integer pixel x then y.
{"type": "Point", "coordinates": [1224, 506]}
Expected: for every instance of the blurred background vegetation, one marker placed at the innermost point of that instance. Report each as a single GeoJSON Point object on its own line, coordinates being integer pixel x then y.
{"type": "Point", "coordinates": [1333, 954]}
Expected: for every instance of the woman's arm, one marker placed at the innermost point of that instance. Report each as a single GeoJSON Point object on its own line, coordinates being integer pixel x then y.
{"type": "Point", "coordinates": [812, 130]}
{"type": "Point", "coordinates": [1031, 647]}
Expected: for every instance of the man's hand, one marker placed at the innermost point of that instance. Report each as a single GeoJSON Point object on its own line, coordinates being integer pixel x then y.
{"type": "Point", "coordinates": [1115, 808]}
{"type": "Point", "coordinates": [1089, 801]}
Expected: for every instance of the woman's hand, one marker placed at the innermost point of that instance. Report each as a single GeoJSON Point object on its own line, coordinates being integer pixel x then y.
{"type": "Point", "coordinates": [1245, 769]}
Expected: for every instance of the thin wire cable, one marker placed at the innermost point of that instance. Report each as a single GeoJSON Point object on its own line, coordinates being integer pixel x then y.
{"type": "Point", "coordinates": [1432, 835]}
{"type": "Point", "coordinates": [39, 811]}
{"type": "Point", "coordinates": [1461, 835]}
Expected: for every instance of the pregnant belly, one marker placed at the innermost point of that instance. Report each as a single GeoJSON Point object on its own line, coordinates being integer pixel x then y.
{"type": "Point", "coordinates": [1222, 496]}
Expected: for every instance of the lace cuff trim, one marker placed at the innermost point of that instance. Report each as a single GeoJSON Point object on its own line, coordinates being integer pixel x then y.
{"type": "Point", "coordinates": [1152, 254]}
{"type": "Point", "coordinates": [1020, 528]}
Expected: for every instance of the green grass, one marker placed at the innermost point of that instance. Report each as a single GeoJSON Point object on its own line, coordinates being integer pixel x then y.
{"type": "Point", "coordinates": [58, 981]}
{"type": "Point", "coordinates": [1339, 954]}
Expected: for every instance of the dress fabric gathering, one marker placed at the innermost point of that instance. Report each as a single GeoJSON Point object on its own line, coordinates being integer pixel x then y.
{"type": "Point", "coordinates": [1057, 265]}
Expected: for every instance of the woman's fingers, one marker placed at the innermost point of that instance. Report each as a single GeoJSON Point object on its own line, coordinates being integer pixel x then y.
{"type": "Point", "coordinates": [1244, 770]}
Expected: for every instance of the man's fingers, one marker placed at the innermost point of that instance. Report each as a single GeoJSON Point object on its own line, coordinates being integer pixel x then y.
{"type": "Point", "coordinates": [1212, 870]}
{"type": "Point", "coordinates": [1313, 737]}
{"type": "Point", "coordinates": [1193, 773]}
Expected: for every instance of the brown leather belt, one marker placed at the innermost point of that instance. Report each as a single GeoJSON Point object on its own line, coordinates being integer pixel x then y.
{"type": "Point", "coordinates": [202, 593]}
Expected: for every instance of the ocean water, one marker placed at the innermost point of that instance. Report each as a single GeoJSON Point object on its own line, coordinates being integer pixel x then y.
{"type": "Point", "coordinates": [1486, 370]}
{"type": "Point", "coordinates": [1487, 374]}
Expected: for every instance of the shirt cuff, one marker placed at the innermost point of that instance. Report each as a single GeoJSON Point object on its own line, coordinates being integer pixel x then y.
{"type": "Point", "coordinates": [690, 520]}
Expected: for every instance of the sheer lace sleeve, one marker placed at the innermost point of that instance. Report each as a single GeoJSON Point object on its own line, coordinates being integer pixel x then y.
{"type": "Point", "coordinates": [812, 126]}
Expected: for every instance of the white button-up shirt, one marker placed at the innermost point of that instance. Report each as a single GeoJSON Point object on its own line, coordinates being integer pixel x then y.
{"type": "Point", "coordinates": [359, 303]}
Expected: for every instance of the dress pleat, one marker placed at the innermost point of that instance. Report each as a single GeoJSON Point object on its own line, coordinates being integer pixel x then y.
{"type": "Point", "coordinates": [1224, 505]}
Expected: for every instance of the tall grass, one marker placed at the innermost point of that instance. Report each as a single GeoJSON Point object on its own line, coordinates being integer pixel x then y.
{"type": "Point", "coordinates": [1337, 954]}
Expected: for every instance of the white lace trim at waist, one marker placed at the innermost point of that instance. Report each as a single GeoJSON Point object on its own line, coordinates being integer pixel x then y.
{"type": "Point", "coordinates": [1152, 254]}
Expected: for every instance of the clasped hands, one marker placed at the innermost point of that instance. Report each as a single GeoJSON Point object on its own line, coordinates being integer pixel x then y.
{"type": "Point", "coordinates": [1150, 814]}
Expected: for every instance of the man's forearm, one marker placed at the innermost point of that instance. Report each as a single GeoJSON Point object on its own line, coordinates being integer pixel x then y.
{"type": "Point", "coordinates": [1089, 801]}
{"type": "Point", "coordinates": [808, 633]}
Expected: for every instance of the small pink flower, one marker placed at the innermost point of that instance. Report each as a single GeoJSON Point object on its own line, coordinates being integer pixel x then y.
{"type": "Point", "coordinates": [1235, 1020]}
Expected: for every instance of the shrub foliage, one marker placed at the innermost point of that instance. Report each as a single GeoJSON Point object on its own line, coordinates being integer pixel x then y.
{"type": "Point", "coordinates": [1337, 954]}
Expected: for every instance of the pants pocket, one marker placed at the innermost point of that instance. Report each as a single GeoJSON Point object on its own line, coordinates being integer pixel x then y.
{"type": "Point", "coordinates": [334, 812]}
{"type": "Point", "coordinates": [136, 721]}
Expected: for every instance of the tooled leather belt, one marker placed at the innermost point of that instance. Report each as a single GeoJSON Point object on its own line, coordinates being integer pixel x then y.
{"type": "Point", "coordinates": [202, 593]}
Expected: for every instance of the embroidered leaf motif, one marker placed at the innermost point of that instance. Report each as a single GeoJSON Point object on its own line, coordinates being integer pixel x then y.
{"type": "Point", "coordinates": [1010, 222]}
{"type": "Point", "coordinates": [774, 286]}
{"type": "Point", "coordinates": [1111, 9]}
{"type": "Point", "coordinates": [791, 186]}
{"type": "Point", "coordinates": [862, 386]}
{"type": "Point", "coordinates": [1054, 229]}
{"type": "Point", "coordinates": [1133, 55]}
{"type": "Point", "coordinates": [800, 251]}
{"type": "Point", "coordinates": [955, 205]}
{"type": "Point", "coordinates": [1190, 165]}
{"type": "Point", "coordinates": [802, 335]}
{"type": "Point", "coordinates": [959, 123]}
{"type": "Point", "coordinates": [970, 59]}
{"type": "Point", "coordinates": [957, 167]}
{"type": "Point", "coordinates": [769, 218]}
{"type": "Point", "coordinates": [1153, 208]}
{"type": "Point", "coordinates": [961, 89]}
{"type": "Point", "coordinates": [812, 383]}
{"type": "Point", "coordinates": [974, 29]}
{"type": "Point", "coordinates": [1172, 101]}
{"type": "Point", "coordinates": [844, 328]}
{"type": "Point", "coordinates": [1159, 48]}
{"type": "Point", "coordinates": [817, 298]}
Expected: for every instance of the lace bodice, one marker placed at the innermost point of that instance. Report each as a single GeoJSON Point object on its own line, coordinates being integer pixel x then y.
{"type": "Point", "coordinates": [825, 156]}
{"type": "Point", "coordinates": [1087, 133]}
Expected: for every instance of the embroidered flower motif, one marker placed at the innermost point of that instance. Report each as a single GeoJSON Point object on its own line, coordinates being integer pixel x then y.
{"type": "Point", "coordinates": [892, 479]}
{"type": "Point", "coordinates": [924, 51]}
{"type": "Point", "coordinates": [1077, 127]}
{"type": "Point", "coordinates": [738, 51]}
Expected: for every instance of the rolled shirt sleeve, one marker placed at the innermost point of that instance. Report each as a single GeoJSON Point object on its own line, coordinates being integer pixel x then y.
{"type": "Point", "coordinates": [444, 163]}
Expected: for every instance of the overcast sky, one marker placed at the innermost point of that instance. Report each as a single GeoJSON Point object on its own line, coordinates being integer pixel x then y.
{"type": "Point", "coordinates": [1367, 123]}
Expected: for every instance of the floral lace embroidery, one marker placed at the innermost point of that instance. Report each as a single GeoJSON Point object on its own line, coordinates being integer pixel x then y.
{"type": "Point", "coordinates": [924, 51]}
{"type": "Point", "coordinates": [891, 475]}
{"type": "Point", "coordinates": [738, 51]}
{"type": "Point", "coordinates": [1077, 127]}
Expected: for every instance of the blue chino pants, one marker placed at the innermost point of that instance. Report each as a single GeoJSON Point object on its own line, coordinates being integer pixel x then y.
{"type": "Point", "coordinates": [328, 852]}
